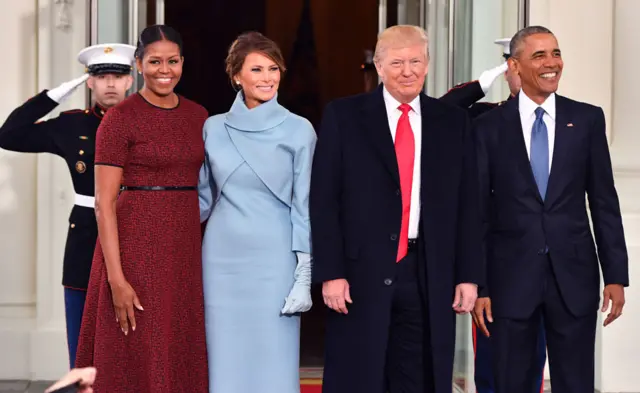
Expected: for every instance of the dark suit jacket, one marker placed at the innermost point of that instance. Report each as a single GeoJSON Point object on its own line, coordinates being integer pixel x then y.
{"type": "Point", "coordinates": [355, 207]}
{"type": "Point", "coordinates": [519, 224]}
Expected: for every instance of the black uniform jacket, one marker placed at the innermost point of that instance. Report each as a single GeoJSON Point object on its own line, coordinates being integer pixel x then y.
{"type": "Point", "coordinates": [72, 137]}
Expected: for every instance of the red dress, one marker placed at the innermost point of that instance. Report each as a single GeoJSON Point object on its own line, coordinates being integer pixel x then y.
{"type": "Point", "coordinates": [160, 244]}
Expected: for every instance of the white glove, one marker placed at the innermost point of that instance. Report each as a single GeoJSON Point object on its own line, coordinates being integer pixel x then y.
{"type": "Point", "coordinates": [63, 91]}
{"type": "Point", "coordinates": [489, 76]}
{"type": "Point", "coordinates": [299, 299]}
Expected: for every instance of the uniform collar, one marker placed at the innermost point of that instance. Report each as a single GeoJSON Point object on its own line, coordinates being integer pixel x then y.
{"type": "Point", "coordinates": [98, 110]}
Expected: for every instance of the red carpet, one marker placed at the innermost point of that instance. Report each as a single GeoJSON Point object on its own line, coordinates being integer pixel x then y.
{"type": "Point", "coordinates": [311, 386]}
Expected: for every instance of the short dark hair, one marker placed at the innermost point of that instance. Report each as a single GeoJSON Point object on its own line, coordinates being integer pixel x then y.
{"type": "Point", "coordinates": [157, 33]}
{"type": "Point", "coordinates": [518, 39]}
{"type": "Point", "coordinates": [247, 43]}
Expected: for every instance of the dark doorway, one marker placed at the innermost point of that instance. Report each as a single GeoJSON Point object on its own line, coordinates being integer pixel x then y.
{"type": "Point", "coordinates": [323, 42]}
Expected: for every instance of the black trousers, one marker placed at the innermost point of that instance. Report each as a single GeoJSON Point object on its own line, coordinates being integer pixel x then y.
{"type": "Point", "coordinates": [406, 363]}
{"type": "Point", "coordinates": [570, 344]}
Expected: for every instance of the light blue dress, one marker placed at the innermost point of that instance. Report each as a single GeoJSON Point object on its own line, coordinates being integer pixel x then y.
{"type": "Point", "coordinates": [254, 191]}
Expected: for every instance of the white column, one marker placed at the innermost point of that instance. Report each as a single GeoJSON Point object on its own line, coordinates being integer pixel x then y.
{"type": "Point", "coordinates": [603, 73]}
{"type": "Point", "coordinates": [17, 194]}
{"type": "Point", "coordinates": [58, 49]}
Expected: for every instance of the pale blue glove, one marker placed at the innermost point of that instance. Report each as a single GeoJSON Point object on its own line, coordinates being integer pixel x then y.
{"type": "Point", "coordinates": [299, 299]}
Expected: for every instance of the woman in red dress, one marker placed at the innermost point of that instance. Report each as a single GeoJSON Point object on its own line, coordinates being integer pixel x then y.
{"type": "Point", "coordinates": [143, 326]}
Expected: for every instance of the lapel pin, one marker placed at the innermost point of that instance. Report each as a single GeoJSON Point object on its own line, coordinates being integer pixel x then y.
{"type": "Point", "coordinates": [569, 124]}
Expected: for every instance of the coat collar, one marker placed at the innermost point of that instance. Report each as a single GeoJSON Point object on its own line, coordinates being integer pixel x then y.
{"type": "Point", "coordinates": [263, 117]}
{"type": "Point", "coordinates": [98, 111]}
{"type": "Point", "coordinates": [376, 125]}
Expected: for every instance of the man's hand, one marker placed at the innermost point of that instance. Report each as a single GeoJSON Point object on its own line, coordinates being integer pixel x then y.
{"type": "Point", "coordinates": [483, 305]}
{"type": "Point", "coordinates": [613, 293]}
{"type": "Point", "coordinates": [465, 297]}
{"type": "Point", "coordinates": [336, 294]}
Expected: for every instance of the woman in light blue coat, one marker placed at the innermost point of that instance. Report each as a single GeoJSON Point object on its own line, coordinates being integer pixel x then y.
{"type": "Point", "coordinates": [254, 191]}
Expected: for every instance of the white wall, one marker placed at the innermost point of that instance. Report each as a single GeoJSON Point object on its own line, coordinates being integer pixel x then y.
{"type": "Point", "coordinates": [35, 193]}
{"type": "Point", "coordinates": [601, 52]}
{"type": "Point", "coordinates": [17, 194]}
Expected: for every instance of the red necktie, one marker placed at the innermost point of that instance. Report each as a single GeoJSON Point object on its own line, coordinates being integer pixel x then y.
{"type": "Point", "coordinates": [405, 150]}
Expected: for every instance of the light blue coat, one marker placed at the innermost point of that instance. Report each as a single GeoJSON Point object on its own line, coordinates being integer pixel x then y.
{"type": "Point", "coordinates": [254, 192]}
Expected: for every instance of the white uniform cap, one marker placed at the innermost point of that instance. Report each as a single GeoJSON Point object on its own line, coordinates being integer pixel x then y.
{"type": "Point", "coordinates": [504, 42]}
{"type": "Point", "coordinates": [108, 58]}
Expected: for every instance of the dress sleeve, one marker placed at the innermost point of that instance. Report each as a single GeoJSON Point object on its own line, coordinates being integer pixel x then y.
{"type": "Point", "coordinates": [113, 141]}
{"type": "Point", "coordinates": [206, 184]}
{"type": "Point", "coordinates": [300, 221]}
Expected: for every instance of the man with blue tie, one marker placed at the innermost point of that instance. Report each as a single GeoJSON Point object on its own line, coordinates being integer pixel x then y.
{"type": "Point", "coordinates": [538, 155]}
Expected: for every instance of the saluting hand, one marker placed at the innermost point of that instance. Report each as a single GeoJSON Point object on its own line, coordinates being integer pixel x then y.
{"type": "Point", "coordinates": [336, 294]}
{"type": "Point", "coordinates": [124, 299]}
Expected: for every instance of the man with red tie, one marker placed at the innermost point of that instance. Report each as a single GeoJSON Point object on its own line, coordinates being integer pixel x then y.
{"type": "Point", "coordinates": [395, 228]}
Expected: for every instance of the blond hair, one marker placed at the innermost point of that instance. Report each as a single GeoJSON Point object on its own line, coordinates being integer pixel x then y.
{"type": "Point", "coordinates": [400, 36]}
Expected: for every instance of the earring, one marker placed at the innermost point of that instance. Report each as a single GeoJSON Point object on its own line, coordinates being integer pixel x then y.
{"type": "Point", "coordinates": [237, 82]}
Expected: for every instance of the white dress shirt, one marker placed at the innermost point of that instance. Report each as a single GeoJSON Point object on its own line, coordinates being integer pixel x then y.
{"type": "Point", "coordinates": [415, 119]}
{"type": "Point", "coordinates": [527, 110]}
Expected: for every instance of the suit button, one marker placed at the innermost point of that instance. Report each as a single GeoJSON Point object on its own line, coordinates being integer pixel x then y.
{"type": "Point", "coordinates": [73, 225]}
{"type": "Point", "coordinates": [398, 192]}
{"type": "Point", "coordinates": [388, 281]}
{"type": "Point", "coordinates": [541, 251]}
{"type": "Point", "coordinates": [393, 236]}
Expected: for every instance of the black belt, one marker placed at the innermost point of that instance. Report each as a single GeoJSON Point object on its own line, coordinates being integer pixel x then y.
{"type": "Point", "coordinates": [157, 188]}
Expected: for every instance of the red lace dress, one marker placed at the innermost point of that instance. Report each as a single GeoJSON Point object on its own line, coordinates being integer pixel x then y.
{"type": "Point", "coordinates": [160, 245]}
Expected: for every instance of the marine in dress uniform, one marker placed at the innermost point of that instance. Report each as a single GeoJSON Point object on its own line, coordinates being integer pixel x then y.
{"type": "Point", "coordinates": [483, 375]}
{"type": "Point", "coordinates": [71, 136]}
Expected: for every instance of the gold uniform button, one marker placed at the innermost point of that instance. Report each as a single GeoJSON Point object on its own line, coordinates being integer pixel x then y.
{"type": "Point", "coordinates": [81, 152]}
{"type": "Point", "coordinates": [86, 111]}
{"type": "Point", "coordinates": [81, 167]}
{"type": "Point", "coordinates": [73, 225]}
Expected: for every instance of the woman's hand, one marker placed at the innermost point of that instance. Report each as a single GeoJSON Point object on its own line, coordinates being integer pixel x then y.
{"type": "Point", "coordinates": [124, 299]}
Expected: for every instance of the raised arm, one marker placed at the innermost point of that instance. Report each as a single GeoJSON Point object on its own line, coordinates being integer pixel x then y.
{"type": "Point", "coordinates": [22, 132]}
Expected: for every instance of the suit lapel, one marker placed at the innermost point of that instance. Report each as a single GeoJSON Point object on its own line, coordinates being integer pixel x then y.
{"type": "Point", "coordinates": [516, 146]}
{"type": "Point", "coordinates": [378, 132]}
{"type": "Point", "coordinates": [561, 148]}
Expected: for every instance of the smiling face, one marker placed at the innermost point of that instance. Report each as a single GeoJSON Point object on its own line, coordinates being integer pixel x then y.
{"type": "Point", "coordinates": [403, 71]}
{"type": "Point", "coordinates": [539, 65]}
{"type": "Point", "coordinates": [109, 89]}
{"type": "Point", "coordinates": [161, 67]}
{"type": "Point", "coordinates": [259, 79]}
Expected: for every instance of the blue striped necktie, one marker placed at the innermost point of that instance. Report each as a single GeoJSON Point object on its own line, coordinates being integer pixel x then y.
{"type": "Point", "coordinates": [540, 152]}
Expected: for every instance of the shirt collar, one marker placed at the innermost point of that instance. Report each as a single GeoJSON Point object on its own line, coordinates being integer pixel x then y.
{"type": "Point", "coordinates": [528, 107]}
{"type": "Point", "coordinates": [393, 104]}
